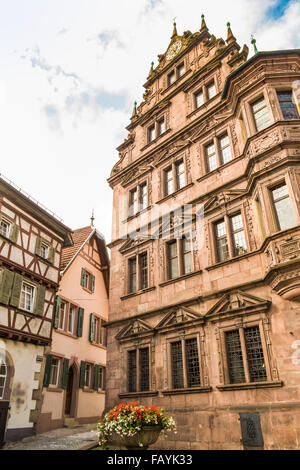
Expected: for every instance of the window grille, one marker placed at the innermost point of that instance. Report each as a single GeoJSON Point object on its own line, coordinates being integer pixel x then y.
{"type": "Point", "coordinates": [177, 365]}
{"type": "Point", "coordinates": [234, 357]}
{"type": "Point", "coordinates": [144, 370]}
{"type": "Point", "coordinates": [132, 371]}
{"type": "Point", "coordinates": [255, 355]}
{"type": "Point", "coordinates": [144, 270]}
{"type": "Point", "coordinates": [192, 362]}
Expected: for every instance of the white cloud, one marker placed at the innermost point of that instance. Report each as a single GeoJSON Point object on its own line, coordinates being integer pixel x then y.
{"type": "Point", "coordinates": [71, 72]}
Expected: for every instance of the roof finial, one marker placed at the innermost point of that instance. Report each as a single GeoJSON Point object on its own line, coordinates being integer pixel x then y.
{"type": "Point", "coordinates": [203, 25]}
{"type": "Point", "coordinates": [92, 219]}
{"type": "Point", "coordinates": [230, 36]}
{"type": "Point", "coordinates": [134, 112]}
{"type": "Point", "coordinates": [253, 41]}
{"type": "Point", "coordinates": [174, 29]}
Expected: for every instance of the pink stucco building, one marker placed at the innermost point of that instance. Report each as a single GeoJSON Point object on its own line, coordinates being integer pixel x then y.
{"type": "Point", "coordinates": [74, 380]}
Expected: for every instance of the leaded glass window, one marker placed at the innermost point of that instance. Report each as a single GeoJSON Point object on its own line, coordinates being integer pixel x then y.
{"type": "Point", "coordinates": [199, 99]}
{"type": "Point", "coordinates": [144, 369]}
{"type": "Point", "coordinates": [225, 149]}
{"type": "Point", "coordinates": [132, 371]}
{"type": "Point", "coordinates": [211, 157]}
{"type": "Point", "coordinates": [132, 275]}
{"type": "Point", "coordinates": [234, 357]}
{"type": "Point", "coordinates": [177, 365]}
{"type": "Point", "coordinates": [192, 363]}
{"type": "Point", "coordinates": [211, 91]}
{"type": "Point", "coordinates": [283, 207]}
{"type": "Point", "coordinates": [187, 256]}
{"type": "Point", "coordinates": [261, 114]}
{"type": "Point", "coordinates": [288, 108]}
{"type": "Point", "coordinates": [239, 240]}
{"type": "Point", "coordinates": [144, 270]}
{"type": "Point", "coordinates": [180, 175]}
{"type": "Point", "coordinates": [255, 355]}
{"type": "Point", "coordinates": [169, 181]}
{"type": "Point", "coordinates": [222, 242]}
{"type": "Point", "coordinates": [173, 260]}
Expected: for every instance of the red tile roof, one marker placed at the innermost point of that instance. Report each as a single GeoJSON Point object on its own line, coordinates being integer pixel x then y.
{"type": "Point", "coordinates": [79, 237]}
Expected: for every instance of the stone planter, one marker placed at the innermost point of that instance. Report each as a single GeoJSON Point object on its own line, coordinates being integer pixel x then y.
{"type": "Point", "coordinates": [147, 436]}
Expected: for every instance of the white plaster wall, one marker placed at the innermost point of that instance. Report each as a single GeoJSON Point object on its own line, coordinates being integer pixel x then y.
{"type": "Point", "coordinates": [24, 359]}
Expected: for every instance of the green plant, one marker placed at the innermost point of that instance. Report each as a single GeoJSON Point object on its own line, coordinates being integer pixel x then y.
{"type": "Point", "coordinates": [129, 419]}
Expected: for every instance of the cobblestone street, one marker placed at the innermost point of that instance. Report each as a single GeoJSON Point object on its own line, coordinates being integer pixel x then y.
{"type": "Point", "coordinates": [58, 439]}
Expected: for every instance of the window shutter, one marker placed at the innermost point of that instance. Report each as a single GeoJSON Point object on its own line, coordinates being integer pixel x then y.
{"type": "Point", "coordinates": [91, 332]}
{"type": "Point", "coordinates": [83, 271]}
{"type": "Point", "coordinates": [51, 254]}
{"type": "Point", "coordinates": [92, 283]}
{"type": "Point", "coordinates": [14, 233]}
{"type": "Point", "coordinates": [82, 374]}
{"type": "Point", "coordinates": [65, 372]}
{"type": "Point", "coordinates": [96, 376]}
{"type": "Point", "coordinates": [6, 286]}
{"type": "Point", "coordinates": [38, 245]}
{"type": "Point", "coordinates": [40, 300]}
{"type": "Point", "coordinates": [47, 370]}
{"type": "Point", "coordinates": [57, 310]}
{"type": "Point", "coordinates": [80, 321]}
{"type": "Point", "coordinates": [103, 378]}
{"type": "Point", "coordinates": [16, 291]}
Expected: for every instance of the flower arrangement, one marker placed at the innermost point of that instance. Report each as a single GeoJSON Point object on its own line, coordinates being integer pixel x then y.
{"type": "Point", "coordinates": [128, 419]}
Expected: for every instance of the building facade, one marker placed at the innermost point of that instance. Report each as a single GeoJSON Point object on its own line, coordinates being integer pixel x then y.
{"type": "Point", "coordinates": [74, 381]}
{"type": "Point", "coordinates": [205, 254]}
{"type": "Point", "coordinates": [31, 243]}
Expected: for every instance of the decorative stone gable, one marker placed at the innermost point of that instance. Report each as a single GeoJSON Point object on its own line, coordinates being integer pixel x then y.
{"type": "Point", "coordinates": [133, 329]}
{"type": "Point", "coordinates": [237, 302]}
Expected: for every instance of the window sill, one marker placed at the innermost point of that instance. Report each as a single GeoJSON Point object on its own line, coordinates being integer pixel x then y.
{"type": "Point", "coordinates": [88, 390]}
{"type": "Point", "coordinates": [138, 394]}
{"type": "Point", "coordinates": [203, 106]}
{"type": "Point", "coordinates": [154, 141]}
{"type": "Point", "coordinates": [53, 389]}
{"type": "Point", "coordinates": [208, 174]}
{"type": "Point", "coordinates": [66, 333]}
{"type": "Point", "coordinates": [175, 193]}
{"type": "Point", "coordinates": [186, 391]}
{"type": "Point", "coordinates": [230, 260]}
{"type": "Point", "coordinates": [181, 278]}
{"type": "Point", "coordinates": [87, 290]}
{"type": "Point", "coordinates": [133, 216]}
{"type": "Point", "coordinates": [140, 292]}
{"type": "Point", "coordinates": [101, 346]}
{"type": "Point", "coordinates": [250, 386]}
{"type": "Point", "coordinates": [101, 392]}
{"type": "Point", "coordinates": [44, 260]}
{"type": "Point", "coordinates": [6, 238]}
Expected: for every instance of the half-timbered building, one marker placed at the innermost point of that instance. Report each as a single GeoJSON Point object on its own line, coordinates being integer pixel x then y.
{"type": "Point", "coordinates": [31, 242]}
{"type": "Point", "coordinates": [74, 381]}
{"type": "Point", "coordinates": [205, 254]}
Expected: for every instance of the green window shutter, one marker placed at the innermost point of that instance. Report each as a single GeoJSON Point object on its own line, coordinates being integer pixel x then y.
{"type": "Point", "coordinates": [14, 233]}
{"type": "Point", "coordinates": [65, 372]}
{"type": "Point", "coordinates": [51, 255]}
{"type": "Point", "coordinates": [16, 290]}
{"type": "Point", "coordinates": [83, 271]}
{"type": "Point", "coordinates": [47, 370]}
{"type": "Point", "coordinates": [40, 300]}
{"type": "Point", "coordinates": [92, 283]}
{"type": "Point", "coordinates": [38, 245]}
{"type": "Point", "coordinates": [80, 321]}
{"type": "Point", "coordinates": [91, 332]}
{"type": "Point", "coordinates": [57, 311]}
{"type": "Point", "coordinates": [82, 374]}
{"type": "Point", "coordinates": [96, 376]}
{"type": "Point", "coordinates": [6, 286]}
{"type": "Point", "coordinates": [103, 378]}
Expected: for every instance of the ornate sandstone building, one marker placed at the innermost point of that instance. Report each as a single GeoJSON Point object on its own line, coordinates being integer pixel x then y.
{"type": "Point", "coordinates": [205, 256]}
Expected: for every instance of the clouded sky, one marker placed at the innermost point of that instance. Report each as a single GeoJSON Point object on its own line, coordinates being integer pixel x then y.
{"type": "Point", "coordinates": [71, 70]}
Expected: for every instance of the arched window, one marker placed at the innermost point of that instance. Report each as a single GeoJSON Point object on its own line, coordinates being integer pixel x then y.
{"type": "Point", "coordinates": [3, 375]}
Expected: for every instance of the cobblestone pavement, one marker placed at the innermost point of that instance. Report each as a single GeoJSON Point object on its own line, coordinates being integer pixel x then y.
{"type": "Point", "coordinates": [58, 439]}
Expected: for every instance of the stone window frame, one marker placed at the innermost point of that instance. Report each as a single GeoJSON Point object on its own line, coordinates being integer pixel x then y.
{"type": "Point", "coordinates": [180, 255]}
{"type": "Point", "coordinates": [227, 216]}
{"type": "Point", "coordinates": [142, 344]}
{"type": "Point", "coordinates": [246, 106]}
{"type": "Point", "coordinates": [270, 225]}
{"type": "Point", "coordinates": [155, 123]}
{"type": "Point", "coordinates": [238, 322]}
{"type": "Point", "coordinates": [181, 334]}
{"type": "Point", "coordinates": [204, 88]}
{"type": "Point", "coordinates": [137, 185]}
{"type": "Point", "coordinates": [171, 163]}
{"type": "Point", "coordinates": [135, 253]}
{"type": "Point", "coordinates": [215, 139]}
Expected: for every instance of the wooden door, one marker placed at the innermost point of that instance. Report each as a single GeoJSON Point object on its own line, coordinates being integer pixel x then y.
{"type": "Point", "coordinates": [69, 391]}
{"type": "Point", "coordinates": [4, 405]}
